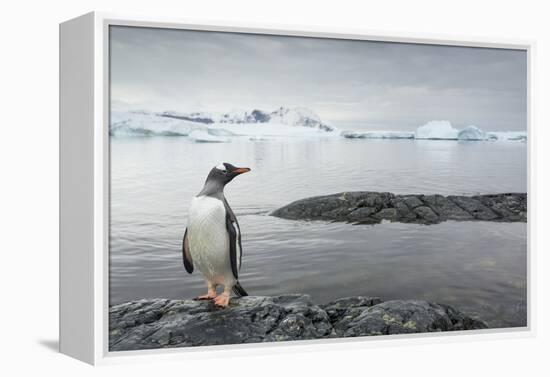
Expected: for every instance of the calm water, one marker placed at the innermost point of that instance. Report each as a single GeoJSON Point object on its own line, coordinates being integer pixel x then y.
{"type": "Point", "coordinates": [479, 267]}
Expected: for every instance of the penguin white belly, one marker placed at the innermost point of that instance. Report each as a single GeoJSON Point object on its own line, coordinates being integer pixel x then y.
{"type": "Point", "coordinates": [209, 240]}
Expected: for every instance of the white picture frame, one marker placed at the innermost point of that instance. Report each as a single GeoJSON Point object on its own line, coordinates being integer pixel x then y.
{"type": "Point", "coordinates": [84, 188]}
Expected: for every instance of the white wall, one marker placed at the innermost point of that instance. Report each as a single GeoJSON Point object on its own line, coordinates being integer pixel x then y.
{"type": "Point", "coordinates": [29, 186]}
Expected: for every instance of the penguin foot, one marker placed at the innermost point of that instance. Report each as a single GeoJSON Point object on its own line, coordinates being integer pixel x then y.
{"type": "Point", "coordinates": [222, 301]}
{"type": "Point", "coordinates": [208, 296]}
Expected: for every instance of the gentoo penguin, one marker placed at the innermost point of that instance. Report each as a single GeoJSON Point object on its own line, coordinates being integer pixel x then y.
{"type": "Point", "coordinates": [212, 239]}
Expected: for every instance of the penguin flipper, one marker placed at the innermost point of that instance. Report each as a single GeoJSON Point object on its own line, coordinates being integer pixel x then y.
{"type": "Point", "coordinates": [187, 260]}
{"type": "Point", "coordinates": [234, 259]}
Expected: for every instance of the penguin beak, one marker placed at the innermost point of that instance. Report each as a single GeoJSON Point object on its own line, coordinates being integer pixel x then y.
{"type": "Point", "coordinates": [238, 171]}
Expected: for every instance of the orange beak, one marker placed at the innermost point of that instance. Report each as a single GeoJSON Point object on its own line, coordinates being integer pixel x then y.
{"type": "Point", "coordinates": [240, 170]}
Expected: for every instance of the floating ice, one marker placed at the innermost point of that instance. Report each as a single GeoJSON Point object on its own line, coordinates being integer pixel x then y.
{"type": "Point", "coordinates": [471, 133]}
{"type": "Point", "coordinates": [437, 130]}
{"type": "Point", "coordinates": [378, 135]}
{"type": "Point", "coordinates": [443, 130]}
{"type": "Point", "coordinates": [507, 136]}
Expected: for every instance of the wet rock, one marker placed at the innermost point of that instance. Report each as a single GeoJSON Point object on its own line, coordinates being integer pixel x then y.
{"type": "Point", "coordinates": [426, 214]}
{"type": "Point", "coordinates": [161, 323]}
{"type": "Point", "coordinates": [369, 207]}
{"type": "Point", "coordinates": [474, 207]}
{"type": "Point", "coordinates": [403, 317]}
{"type": "Point", "coordinates": [320, 207]}
{"type": "Point", "coordinates": [386, 214]}
{"type": "Point", "coordinates": [412, 201]}
{"type": "Point", "coordinates": [446, 208]}
{"type": "Point", "coordinates": [347, 306]}
{"type": "Point", "coordinates": [404, 213]}
{"type": "Point", "coordinates": [361, 213]}
{"type": "Point", "coordinates": [376, 200]}
{"type": "Point", "coordinates": [512, 206]}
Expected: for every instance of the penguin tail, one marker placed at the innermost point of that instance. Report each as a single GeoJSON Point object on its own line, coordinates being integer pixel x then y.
{"type": "Point", "coordinates": [239, 290]}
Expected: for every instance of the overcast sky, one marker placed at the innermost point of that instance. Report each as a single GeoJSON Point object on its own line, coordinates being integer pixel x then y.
{"type": "Point", "coordinates": [350, 84]}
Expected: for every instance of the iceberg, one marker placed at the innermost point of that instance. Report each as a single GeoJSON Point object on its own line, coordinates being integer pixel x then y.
{"type": "Point", "coordinates": [443, 130]}
{"type": "Point", "coordinates": [143, 123]}
{"type": "Point", "coordinates": [437, 130]}
{"type": "Point", "coordinates": [507, 136]}
{"type": "Point", "coordinates": [471, 133]}
{"type": "Point", "coordinates": [377, 135]}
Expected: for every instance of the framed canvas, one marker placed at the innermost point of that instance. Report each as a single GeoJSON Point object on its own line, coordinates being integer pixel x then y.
{"type": "Point", "coordinates": [242, 188]}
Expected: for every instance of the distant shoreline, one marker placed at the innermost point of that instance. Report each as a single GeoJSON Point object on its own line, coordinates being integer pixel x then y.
{"type": "Point", "coordinates": [283, 122]}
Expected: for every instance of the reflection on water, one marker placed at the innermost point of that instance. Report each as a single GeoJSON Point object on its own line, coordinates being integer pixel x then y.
{"type": "Point", "coordinates": [480, 267]}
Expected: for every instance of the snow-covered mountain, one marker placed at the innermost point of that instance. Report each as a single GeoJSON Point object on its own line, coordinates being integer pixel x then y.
{"type": "Point", "coordinates": [220, 127]}
{"type": "Point", "coordinates": [296, 117]}
{"type": "Point", "coordinates": [144, 123]}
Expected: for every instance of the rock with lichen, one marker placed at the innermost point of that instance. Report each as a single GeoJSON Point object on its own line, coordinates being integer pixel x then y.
{"type": "Point", "coordinates": [366, 207]}
{"type": "Point", "coordinates": [163, 323]}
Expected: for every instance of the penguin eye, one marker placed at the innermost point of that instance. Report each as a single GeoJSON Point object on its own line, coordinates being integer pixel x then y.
{"type": "Point", "coordinates": [224, 171]}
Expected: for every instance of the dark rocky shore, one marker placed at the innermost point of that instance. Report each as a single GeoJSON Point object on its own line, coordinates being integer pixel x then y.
{"type": "Point", "coordinates": [162, 323]}
{"type": "Point", "coordinates": [366, 207]}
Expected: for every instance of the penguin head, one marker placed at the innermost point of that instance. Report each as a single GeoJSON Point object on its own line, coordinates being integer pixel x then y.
{"type": "Point", "coordinates": [224, 173]}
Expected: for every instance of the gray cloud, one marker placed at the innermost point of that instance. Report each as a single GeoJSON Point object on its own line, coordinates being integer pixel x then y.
{"type": "Point", "coordinates": [354, 84]}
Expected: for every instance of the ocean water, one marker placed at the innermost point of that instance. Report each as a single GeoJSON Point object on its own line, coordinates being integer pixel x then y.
{"type": "Point", "coordinates": [478, 267]}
